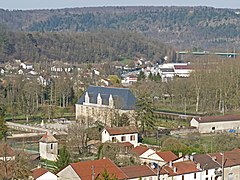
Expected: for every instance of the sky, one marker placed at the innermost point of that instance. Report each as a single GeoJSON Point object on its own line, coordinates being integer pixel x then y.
{"type": "Point", "coordinates": [56, 4]}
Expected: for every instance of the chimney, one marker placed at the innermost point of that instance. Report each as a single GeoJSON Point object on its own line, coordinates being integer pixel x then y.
{"type": "Point", "coordinates": [170, 164]}
{"type": "Point", "coordinates": [191, 158]}
{"type": "Point", "coordinates": [180, 154]}
{"type": "Point", "coordinates": [174, 169]}
{"type": "Point", "coordinates": [198, 166]}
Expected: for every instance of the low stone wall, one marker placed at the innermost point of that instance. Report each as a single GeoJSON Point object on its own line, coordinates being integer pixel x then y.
{"type": "Point", "coordinates": [183, 131]}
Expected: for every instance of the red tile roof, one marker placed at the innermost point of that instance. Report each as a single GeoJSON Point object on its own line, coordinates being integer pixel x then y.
{"type": "Point", "coordinates": [84, 169]}
{"type": "Point", "coordinates": [207, 119]}
{"type": "Point", "coordinates": [121, 130]}
{"type": "Point", "coordinates": [184, 167]}
{"type": "Point", "coordinates": [139, 150]}
{"type": "Point", "coordinates": [231, 158]}
{"type": "Point", "coordinates": [5, 148]}
{"type": "Point", "coordinates": [182, 67]}
{"type": "Point", "coordinates": [36, 173]}
{"type": "Point", "coordinates": [48, 138]}
{"type": "Point", "coordinates": [125, 144]}
{"type": "Point", "coordinates": [138, 171]}
{"type": "Point", "coordinates": [167, 156]}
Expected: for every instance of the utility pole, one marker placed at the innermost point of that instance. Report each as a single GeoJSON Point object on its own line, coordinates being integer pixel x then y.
{"type": "Point", "coordinates": [223, 166]}
{"type": "Point", "coordinates": [92, 172]}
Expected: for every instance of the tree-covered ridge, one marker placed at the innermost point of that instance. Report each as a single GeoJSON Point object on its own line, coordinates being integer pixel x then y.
{"type": "Point", "coordinates": [182, 26]}
{"type": "Point", "coordinates": [78, 47]}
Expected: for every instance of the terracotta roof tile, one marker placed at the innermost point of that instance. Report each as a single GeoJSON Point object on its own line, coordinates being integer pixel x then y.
{"type": "Point", "coordinates": [183, 167]}
{"type": "Point", "coordinates": [167, 156]}
{"type": "Point", "coordinates": [6, 148]}
{"type": "Point", "coordinates": [139, 150]}
{"type": "Point", "coordinates": [84, 169]}
{"type": "Point", "coordinates": [207, 119]}
{"type": "Point", "coordinates": [48, 138]}
{"type": "Point", "coordinates": [36, 173]}
{"type": "Point", "coordinates": [138, 171]}
{"type": "Point", "coordinates": [121, 130]}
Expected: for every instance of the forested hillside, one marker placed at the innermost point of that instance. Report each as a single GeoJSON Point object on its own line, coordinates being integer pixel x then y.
{"type": "Point", "coordinates": [183, 27]}
{"type": "Point", "coordinates": [78, 47]}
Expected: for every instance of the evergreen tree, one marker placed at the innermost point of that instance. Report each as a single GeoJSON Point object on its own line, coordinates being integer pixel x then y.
{"type": "Point", "coordinates": [145, 113]}
{"type": "Point", "coordinates": [63, 158]}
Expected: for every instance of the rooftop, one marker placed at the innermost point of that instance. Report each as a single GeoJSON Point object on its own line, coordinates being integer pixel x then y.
{"type": "Point", "coordinates": [167, 156]}
{"type": "Point", "coordinates": [48, 138]}
{"type": "Point", "coordinates": [121, 130]}
{"type": "Point", "coordinates": [84, 169]}
{"type": "Point", "coordinates": [36, 173]}
{"type": "Point", "coordinates": [139, 150]}
{"type": "Point", "coordinates": [123, 97]}
{"type": "Point", "coordinates": [208, 119]}
{"type": "Point", "coordinates": [138, 171]}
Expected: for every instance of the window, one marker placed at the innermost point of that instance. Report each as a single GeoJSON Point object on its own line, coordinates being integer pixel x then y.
{"type": "Point", "coordinates": [114, 139]}
{"type": "Point", "coordinates": [51, 146]}
{"type": "Point", "coordinates": [195, 175]}
{"type": "Point", "coordinates": [213, 128]}
{"type": "Point", "coordinates": [206, 178]}
{"type": "Point", "coordinates": [123, 138]}
{"type": "Point", "coordinates": [182, 177]}
{"type": "Point", "coordinates": [132, 138]}
{"type": "Point", "coordinates": [206, 172]}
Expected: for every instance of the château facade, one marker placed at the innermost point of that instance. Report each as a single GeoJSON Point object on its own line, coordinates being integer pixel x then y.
{"type": "Point", "coordinates": [102, 103]}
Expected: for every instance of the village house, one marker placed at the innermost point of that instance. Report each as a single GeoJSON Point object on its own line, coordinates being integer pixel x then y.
{"type": "Point", "coordinates": [184, 170]}
{"type": "Point", "coordinates": [120, 134]}
{"type": "Point", "coordinates": [43, 174]}
{"type": "Point", "coordinates": [210, 168]}
{"type": "Point", "coordinates": [213, 124]}
{"type": "Point", "coordinates": [26, 66]}
{"type": "Point", "coordinates": [89, 170]}
{"type": "Point", "coordinates": [129, 80]}
{"type": "Point", "coordinates": [230, 160]}
{"type": "Point", "coordinates": [102, 103]}
{"type": "Point", "coordinates": [182, 70]}
{"type": "Point", "coordinates": [48, 147]}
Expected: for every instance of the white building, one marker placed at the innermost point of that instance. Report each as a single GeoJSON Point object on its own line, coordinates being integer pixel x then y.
{"type": "Point", "coordinates": [212, 124]}
{"type": "Point", "coordinates": [43, 174]}
{"type": "Point", "coordinates": [26, 66]}
{"type": "Point", "coordinates": [182, 70]}
{"type": "Point", "coordinates": [48, 147]}
{"type": "Point", "coordinates": [129, 80]}
{"type": "Point", "coordinates": [120, 134]}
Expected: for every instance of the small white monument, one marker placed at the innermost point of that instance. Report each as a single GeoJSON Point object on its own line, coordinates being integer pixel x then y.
{"type": "Point", "coordinates": [48, 147]}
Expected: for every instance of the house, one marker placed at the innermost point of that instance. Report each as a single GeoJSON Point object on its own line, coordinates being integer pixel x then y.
{"type": "Point", "coordinates": [166, 73]}
{"type": "Point", "coordinates": [184, 170]}
{"type": "Point", "coordinates": [120, 134]}
{"type": "Point", "coordinates": [230, 160]}
{"type": "Point", "coordinates": [211, 169]}
{"type": "Point", "coordinates": [212, 124]}
{"type": "Point", "coordinates": [89, 170]}
{"type": "Point", "coordinates": [182, 70]}
{"type": "Point", "coordinates": [43, 174]}
{"type": "Point", "coordinates": [48, 147]}
{"type": "Point", "coordinates": [26, 66]}
{"type": "Point", "coordinates": [162, 158]}
{"type": "Point", "coordinates": [140, 172]}
{"type": "Point", "coordinates": [142, 153]}
{"type": "Point", "coordinates": [102, 103]}
{"type": "Point", "coordinates": [129, 80]}
{"type": "Point", "coordinates": [105, 82]}
{"type": "Point", "coordinates": [6, 152]}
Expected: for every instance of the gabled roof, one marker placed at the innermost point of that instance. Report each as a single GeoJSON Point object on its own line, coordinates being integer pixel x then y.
{"type": "Point", "coordinates": [36, 173]}
{"type": "Point", "coordinates": [84, 169]}
{"type": "Point", "coordinates": [231, 158]}
{"type": "Point", "coordinates": [167, 156]}
{"type": "Point", "coordinates": [206, 161]}
{"type": "Point", "coordinates": [5, 148]}
{"type": "Point", "coordinates": [183, 167]}
{"type": "Point", "coordinates": [208, 119]}
{"type": "Point", "coordinates": [138, 171]}
{"type": "Point", "coordinates": [123, 97]}
{"type": "Point", "coordinates": [139, 150]}
{"type": "Point", "coordinates": [121, 130]}
{"type": "Point", "coordinates": [48, 138]}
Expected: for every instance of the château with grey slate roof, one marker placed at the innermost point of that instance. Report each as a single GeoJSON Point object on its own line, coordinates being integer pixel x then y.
{"type": "Point", "coordinates": [98, 103]}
